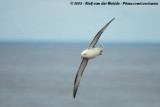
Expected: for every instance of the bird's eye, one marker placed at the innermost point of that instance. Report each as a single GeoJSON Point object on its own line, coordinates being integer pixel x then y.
{"type": "Point", "coordinates": [84, 54]}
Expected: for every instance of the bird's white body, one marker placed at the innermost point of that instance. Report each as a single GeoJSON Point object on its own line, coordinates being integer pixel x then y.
{"type": "Point", "coordinates": [92, 52]}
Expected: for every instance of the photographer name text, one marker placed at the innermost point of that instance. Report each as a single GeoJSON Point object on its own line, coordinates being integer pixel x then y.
{"type": "Point", "coordinates": [112, 3]}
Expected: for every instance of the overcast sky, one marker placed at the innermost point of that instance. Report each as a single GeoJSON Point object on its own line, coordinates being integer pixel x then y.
{"type": "Point", "coordinates": [59, 21]}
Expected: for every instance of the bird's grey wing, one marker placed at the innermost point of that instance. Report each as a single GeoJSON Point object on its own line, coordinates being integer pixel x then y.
{"type": "Point", "coordinates": [96, 38]}
{"type": "Point", "coordinates": [79, 75]}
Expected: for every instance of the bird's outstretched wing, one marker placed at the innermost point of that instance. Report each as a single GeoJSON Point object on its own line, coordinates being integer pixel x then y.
{"type": "Point", "coordinates": [94, 41]}
{"type": "Point", "coordinates": [79, 75]}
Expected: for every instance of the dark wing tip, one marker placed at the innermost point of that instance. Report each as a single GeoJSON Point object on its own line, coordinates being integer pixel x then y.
{"type": "Point", "coordinates": [111, 20]}
{"type": "Point", "coordinates": [74, 95]}
{"type": "Point", "coordinates": [74, 91]}
{"type": "Point", "coordinates": [75, 87]}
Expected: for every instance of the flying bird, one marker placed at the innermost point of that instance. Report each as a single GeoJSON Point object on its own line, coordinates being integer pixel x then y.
{"type": "Point", "coordinates": [89, 53]}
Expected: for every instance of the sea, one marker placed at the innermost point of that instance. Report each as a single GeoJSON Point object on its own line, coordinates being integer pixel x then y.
{"type": "Point", "coordinates": [42, 75]}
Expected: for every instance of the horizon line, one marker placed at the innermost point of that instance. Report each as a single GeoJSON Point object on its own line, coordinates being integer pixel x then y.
{"type": "Point", "coordinates": [75, 43]}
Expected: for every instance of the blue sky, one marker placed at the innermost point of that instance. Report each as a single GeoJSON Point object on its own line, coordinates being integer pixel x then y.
{"type": "Point", "coordinates": [58, 21]}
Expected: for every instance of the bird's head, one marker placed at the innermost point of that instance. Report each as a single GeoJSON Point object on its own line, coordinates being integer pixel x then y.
{"type": "Point", "coordinates": [84, 54]}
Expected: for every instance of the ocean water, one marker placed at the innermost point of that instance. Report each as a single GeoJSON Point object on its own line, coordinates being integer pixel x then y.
{"type": "Point", "coordinates": [42, 75]}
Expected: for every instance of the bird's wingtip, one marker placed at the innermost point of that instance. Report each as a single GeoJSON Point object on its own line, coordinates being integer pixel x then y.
{"type": "Point", "coordinates": [74, 95]}
{"type": "Point", "coordinates": [113, 18]}
{"type": "Point", "coordinates": [74, 92]}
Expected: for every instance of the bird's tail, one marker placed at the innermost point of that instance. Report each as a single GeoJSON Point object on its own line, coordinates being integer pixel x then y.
{"type": "Point", "coordinates": [100, 46]}
{"type": "Point", "coordinates": [101, 49]}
